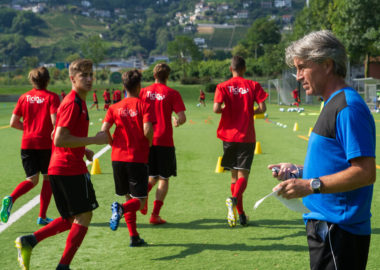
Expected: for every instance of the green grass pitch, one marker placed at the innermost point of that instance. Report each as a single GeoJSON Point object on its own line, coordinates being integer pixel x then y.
{"type": "Point", "coordinates": [197, 235]}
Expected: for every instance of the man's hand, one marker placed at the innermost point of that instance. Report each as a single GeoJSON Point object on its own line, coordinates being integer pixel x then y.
{"type": "Point", "coordinates": [283, 171]}
{"type": "Point", "coordinates": [101, 138]}
{"type": "Point", "coordinates": [89, 154]}
{"type": "Point", "coordinates": [294, 188]}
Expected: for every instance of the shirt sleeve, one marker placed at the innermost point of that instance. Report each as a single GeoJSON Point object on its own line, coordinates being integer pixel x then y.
{"type": "Point", "coordinates": [178, 105]}
{"type": "Point", "coordinates": [260, 94]}
{"type": "Point", "coordinates": [355, 130]}
{"type": "Point", "coordinates": [109, 116]}
{"type": "Point", "coordinates": [54, 104]}
{"type": "Point", "coordinates": [218, 97]}
{"type": "Point", "coordinates": [18, 108]}
{"type": "Point", "coordinates": [148, 113]}
{"type": "Point", "coordinates": [68, 115]}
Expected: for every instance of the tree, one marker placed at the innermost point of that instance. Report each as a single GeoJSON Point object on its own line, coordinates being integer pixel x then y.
{"type": "Point", "coordinates": [30, 61]}
{"type": "Point", "coordinates": [93, 48]}
{"type": "Point", "coordinates": [312, 18]}
{"type": "Point", "coordinates": [27, 23]}
{"type": "Point", "coordinates": [72, 57]}
{"type": "Point", "coordinates": [354, 22]}
{"type": "Point", "coordinates": [183, 49]}
{"type": "Point", "coordinates": [13, 48]}
{"type": "Point", "coordinates": [263, 31]}
{"type": "Point", "coordinates": [6, 17]}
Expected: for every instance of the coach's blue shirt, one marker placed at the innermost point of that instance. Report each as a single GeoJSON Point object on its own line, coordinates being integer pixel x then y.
{"type": "Point", "coordinates": [344, 130]}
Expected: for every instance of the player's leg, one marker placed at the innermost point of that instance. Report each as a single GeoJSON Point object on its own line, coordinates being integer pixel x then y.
{"type": "Point", "coordinates": [83, 202]}
{"type": "Point", "coordinates": [161, 192]}
{"type": "Point", "coordinates": [46, 193]}
{"type": "Point", "coordinates": [31, 167]}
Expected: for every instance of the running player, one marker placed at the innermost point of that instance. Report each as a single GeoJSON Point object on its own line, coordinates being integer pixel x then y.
{"type": "Point", "coordinates": [95, 101]}
{"type": "Point", "coordinates": [38, 109]}
{"type": "Point", "coordinates": [234, 99]}
{"type": "Point", "coordinates": [130, 151]}
{"type": "Point", "coordinates": [70, 181]}
{"type": "Point", "coordinates": [162, 159]}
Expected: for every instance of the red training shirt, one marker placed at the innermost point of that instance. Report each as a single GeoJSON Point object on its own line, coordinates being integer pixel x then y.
{"type": "Point", "coordinates": [35, 107]}
{"type": "Point", "coordinates": [94, 97]}
{"type": "Point", "coordinates": [72, 114]}
{"type": "Point", "coordinates": [129, 143]}
{"type": "Point", "coordinates": [164, 101]}
{"type": "Point", "coordinates": [238, 95]}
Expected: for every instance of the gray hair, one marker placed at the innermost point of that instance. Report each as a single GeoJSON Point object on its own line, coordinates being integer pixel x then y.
{"type": "Point", "coordinates": [317, 47]}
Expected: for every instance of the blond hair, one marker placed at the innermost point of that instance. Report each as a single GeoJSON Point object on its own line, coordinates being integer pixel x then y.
{"type": "Point", "coordinates": [80, 65]}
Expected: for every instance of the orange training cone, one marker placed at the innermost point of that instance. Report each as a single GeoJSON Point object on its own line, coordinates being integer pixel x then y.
{"type": "Point", "coordinates": [258, 150]}
{"type": "Point", "coordinates": [219, 168]}
{"type": "Point", "coordinates": [95, 167]}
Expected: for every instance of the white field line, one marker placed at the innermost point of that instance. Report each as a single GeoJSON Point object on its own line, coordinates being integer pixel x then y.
{"type": "Point", "coordinates": [36, 200]}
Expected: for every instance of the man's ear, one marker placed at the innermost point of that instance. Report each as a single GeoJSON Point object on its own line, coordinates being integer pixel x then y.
{"type": "Point", "coordinates": [329, 66]}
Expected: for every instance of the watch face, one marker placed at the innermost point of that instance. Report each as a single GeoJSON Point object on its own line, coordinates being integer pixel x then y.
{"type": "Point", "coordinates": [315, 184]}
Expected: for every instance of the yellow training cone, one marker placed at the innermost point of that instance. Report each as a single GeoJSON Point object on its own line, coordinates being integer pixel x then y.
{"type": "Point", "coordinates": [295, 126]}
{"type": "Point", "coordinates": [219, 168]}
{"type": "Point", "coordinates": [310, 130]}
{"type": "Point", "coordinates": [258, 149]}
{"type": "Point", "coordinates": [322, 105]}
{"type": "Point", "coordinates": [95, 167]}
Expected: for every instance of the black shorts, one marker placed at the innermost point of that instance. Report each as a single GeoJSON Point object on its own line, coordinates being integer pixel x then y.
{"type": "Point", "coordinates": [35, 161]}
{"type": "Point", "coordinates": [130, 178]}
{"type": "Point", "coordinates": [238, 156]}
{"type": "Point", "coordinates": [73, 194]}
{"type": "Point", "coordinates": [330, 247]}
{"type": "Point", "coordinates": [95, 102]}
{"type": "Point", "coordinates": [162, 161]}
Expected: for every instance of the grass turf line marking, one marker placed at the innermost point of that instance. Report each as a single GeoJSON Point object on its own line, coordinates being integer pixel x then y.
{"type": "Point", "coordinates": [5, 127]}
{"type": "Point", "coordinates": [36, 200]}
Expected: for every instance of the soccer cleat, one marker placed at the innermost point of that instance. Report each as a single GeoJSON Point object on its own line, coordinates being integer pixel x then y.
{"type": "Point", "coordinates": [44, 221]}
{"type": "Point", "coordinates": [6, 209]}
{"type": "Point", "coordinates": [144, 210]}
{"type": "Point", "coordinates": [156, 220]}
{"type": "Point", "coordinates": [244, 220]}
{"type": "Point", "coordinates": [117, 213]}
{"type": "Point", "coordinates": [24, 249]}
{"type": "Point", "coordinates": [136, 241]}
{"type": "Point", "coordinates": [231, 207]}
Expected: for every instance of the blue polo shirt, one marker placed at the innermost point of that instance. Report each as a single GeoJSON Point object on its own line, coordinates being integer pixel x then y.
{"type": "Point", "coordinates": [344, 130]}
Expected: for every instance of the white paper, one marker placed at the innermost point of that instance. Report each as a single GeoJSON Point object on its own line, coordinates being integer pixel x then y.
{"type": "Point", "coordinates": [293, 204]}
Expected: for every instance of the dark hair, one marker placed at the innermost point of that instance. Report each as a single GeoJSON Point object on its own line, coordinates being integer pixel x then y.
{"type": "Point", "coordinates": [39, 77]}
{"type": "Point", "coordinates": [131, 80]}
{"type": "Point", "coordinates": [161, 71]}
{"type": "Point", "coordinates": [237, 63]}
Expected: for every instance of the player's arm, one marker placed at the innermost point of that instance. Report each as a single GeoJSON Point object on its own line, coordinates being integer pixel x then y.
{"type": "Point", "coordinates": [148, 132]}
{"type": "Point", "coordinates": [180, 120]}
{"type": "Point", "coordinates": [106, 128]}
{"type": "Point", "coordinates": [53, 118]}
{"type": "Point", "coordinates": [63, 138]}
{"type": "Point", "coordinates": [16, 123]}
{"type": "Point", "coordinates": [261, 108]}
{"type": "Point", "coordinates": [217, 107]}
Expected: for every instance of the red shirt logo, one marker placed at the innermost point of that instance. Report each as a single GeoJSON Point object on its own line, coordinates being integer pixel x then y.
{"type": "Point", "coordinates": [237, 90]}
{"type": "Point", "coordinates": [153, 96]}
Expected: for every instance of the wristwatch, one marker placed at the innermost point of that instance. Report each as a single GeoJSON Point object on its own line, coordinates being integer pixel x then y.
{"type": "Point", "coordinates": [315, 185]}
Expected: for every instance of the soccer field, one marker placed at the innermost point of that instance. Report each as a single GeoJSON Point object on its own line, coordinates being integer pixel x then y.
{"type": "Point", "coordinates": [197, 235]}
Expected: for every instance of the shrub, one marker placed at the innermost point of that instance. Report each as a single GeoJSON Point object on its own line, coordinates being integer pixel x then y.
{"type": "Point", "coordinates": [210, 87]}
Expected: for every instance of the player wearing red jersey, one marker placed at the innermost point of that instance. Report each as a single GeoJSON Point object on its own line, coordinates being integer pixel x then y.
{"type": "Point", "coordinates": [234, 99]}
{"type": "Point", "coordinates": [130, 150]}
{"type": "Point", "coordinates": [37, 108]}
{"type": "Point", "coordinates": [70, 181]}
{"type": "Point", "coordinates": [107, 99]}
{"type": "Point", "coordinates": [162, 160]}
{"type": "Point", "coordinates": [117, 95]}
{"type": "Point", "coordinates": [63, 94]}
{"type": "Point", "coordinates": [95, 101]}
